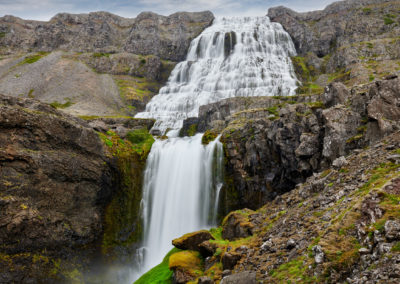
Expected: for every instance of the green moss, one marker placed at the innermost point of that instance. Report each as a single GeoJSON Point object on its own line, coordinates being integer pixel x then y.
{"type": "Point", "coordinates": [208, 137]}
{"type": "Point", "coordinates": [371, 78]}
{"type": "Point", "coordinates": [101, 54]}
{"type": "Point", "coordinates": [122, 216]}
{"type": "Point", "coordinates": [367, 11]}
{"type": "Point", "coordinates": [295, 270]}
{"type": "Point", "coordinates": [192, 130]}
{"type": "Point", "coordinates": [30, 94]}
{"type": "Point", "coordinates": [396, 247]}
{"type": "Point", "coordinates": [370, 45]}
{"type": "Point", "coordinates": [2, 34]}
{"type": "Point", "coordinates": [32, 58]}
{"type": "Point", "coordinates": [141, 139]}
{"type": "Point", "coordinates": [59, 105]}
{"type": "Point", "coordinates": [161, 273]}
{"type": "Point", "coordinates": [388, 19]}
{"type": "Point", "coordinates": [316, 105]}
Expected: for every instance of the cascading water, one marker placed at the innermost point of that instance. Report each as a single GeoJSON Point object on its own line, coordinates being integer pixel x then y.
{"type": "Point", "coordinates": [182, 183]}
{"type": "Point", "coordinates": [237, 57]}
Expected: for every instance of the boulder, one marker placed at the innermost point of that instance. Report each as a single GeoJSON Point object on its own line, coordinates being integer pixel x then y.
{"type": "Point", "coordinates": [229, 260]}
{"type": "Point", "coordinates": [246, 277]}
{"type": "Point", "coordinates": [236, 226]}
{"type": "Point", "coordinates": [392, 230]}
{"type": "Point", "coordinates": [192, 241]}
{"type": "Point", "coordinates": [335, 94]}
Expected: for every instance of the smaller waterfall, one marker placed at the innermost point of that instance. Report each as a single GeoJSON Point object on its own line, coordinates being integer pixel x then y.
{"type": "Point", "coordinates": [182, 182]}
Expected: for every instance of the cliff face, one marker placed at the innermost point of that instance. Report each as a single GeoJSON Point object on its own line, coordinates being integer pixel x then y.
{"type": "Point", "coordinates": [60, 186]}
{"type": "Point", "coordinates": [95, 64]}
{"type": "Point", "coordinates": [351, 41]}
{"type": "Point", "coordinates": [148, 34]}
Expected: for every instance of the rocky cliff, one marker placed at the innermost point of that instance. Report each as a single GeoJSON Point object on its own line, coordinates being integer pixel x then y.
{"type": "Point", "coordinates": [352, 41]}
{"type": "Point", "coordinates": [94, 64]}
{"type": "Point", "coordinates": [68, 194]}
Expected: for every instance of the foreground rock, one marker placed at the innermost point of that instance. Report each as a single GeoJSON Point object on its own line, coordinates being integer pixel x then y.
{"type": "Point", "coordinates": [58, 184]}
{"type": "Point", "coordinates": [192, 241]}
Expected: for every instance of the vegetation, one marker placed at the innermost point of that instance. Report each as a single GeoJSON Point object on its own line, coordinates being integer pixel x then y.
{"type": "Point", "coordinates": [208, 137]}
{"type": "Point", "coordinates": [388, 19]}
{"type": "Point", "coordinates": [59, 105]}
{"type": "Point", "coordinates": [161, 273]}
{"type": "Point", "coordinates": [101, 54]}
{"type": "Point", "coordinates": [32, 58]}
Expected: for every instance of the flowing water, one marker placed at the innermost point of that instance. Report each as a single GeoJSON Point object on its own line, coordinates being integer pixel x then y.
{"type": "Point", "coordinates": [183, 178]}
{"type": "Point", "coordinates": [236, 57]}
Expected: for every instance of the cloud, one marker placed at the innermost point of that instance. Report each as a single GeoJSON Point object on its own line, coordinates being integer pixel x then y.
{"type": "Point", "coordinates": [45, 9]}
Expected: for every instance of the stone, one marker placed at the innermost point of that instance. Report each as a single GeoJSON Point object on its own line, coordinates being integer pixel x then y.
{"type": "Point", "coordinates": [290, 244]}
{"type": "Point", "coordinates": [205, 280]}
{"type": "Point", "coordinates": [207, 248]}
{"type": "Point", "coordinates": [319, 255]}
{"type": "Point", "coordinates": [246, 277]}
{"type": "Point", "coordinates": [191, 241]}
{"type": "Point", "coordinates": [229, 260]}
{"type": "Point", "coordinates": [335, 94]}
{"type": "Point", "coordinates": [339, 162]}
{"type": "Point", "coordinates": [236, 226]}
{"type": "Point", "coordinates": [392, 230]}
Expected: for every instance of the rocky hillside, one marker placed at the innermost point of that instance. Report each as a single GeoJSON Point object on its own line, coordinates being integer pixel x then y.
{"type": "Point", "coordinates": [95, 64]}
{"type": "Point", "coordinates": [352, 41]}
{"type": "Point", "coordinates": [68, 195]}
{"type": "Point", "coordinates": [340, 226]}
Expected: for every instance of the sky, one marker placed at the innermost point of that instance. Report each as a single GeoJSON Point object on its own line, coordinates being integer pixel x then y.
{"type": "Point", "coordinates": [45, 9]}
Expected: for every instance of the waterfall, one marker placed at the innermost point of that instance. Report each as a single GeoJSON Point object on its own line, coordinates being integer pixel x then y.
{"type": "Point", "coordinates": [235, 57]}
{"type": "Point", "coordinates": [183, 178]}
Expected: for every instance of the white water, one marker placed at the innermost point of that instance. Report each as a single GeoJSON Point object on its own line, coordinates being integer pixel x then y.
{"type": "Point", "coordinates": [257, 65]}
{"type": "Point", "coordinates": [183, 178]}
{"type": "Point", "coordinates": [181, 181]}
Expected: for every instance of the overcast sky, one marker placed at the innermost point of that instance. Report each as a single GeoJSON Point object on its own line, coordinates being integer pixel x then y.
{"type": "Point", "coordinates": [45, 9]}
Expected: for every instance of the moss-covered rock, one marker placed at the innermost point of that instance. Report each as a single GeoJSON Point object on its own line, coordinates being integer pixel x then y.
{"type": "Point", "coordinates": [192, 241]}
{"type": "Point", "coordinates": [187, 266]}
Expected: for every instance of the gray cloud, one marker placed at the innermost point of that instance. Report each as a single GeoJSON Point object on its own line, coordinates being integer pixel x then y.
{"type": "Point", "coordinates": [45, 9]}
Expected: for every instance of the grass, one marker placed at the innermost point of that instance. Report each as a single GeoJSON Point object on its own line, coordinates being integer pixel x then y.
{"type": "Point", "coordinates": [58, 105]}
{"type": "Point", "coordinates": [101, 54]}
{"type": "Point", "coordinates": [141, 139]}
{"type": "Point", "coordinates": [160, 273]}
{"type": "Point", "coordinates": [388, 19]}
{"type": "Point", "coordinates": [2, 34]}
{"type": "Point", "coordinates": [32, 58]}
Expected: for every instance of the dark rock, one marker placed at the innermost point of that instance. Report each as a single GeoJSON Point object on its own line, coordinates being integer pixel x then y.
{"type": "Point", "coordinates": [229, 260]}
{"type": "Point", "coordinates": [207, 248]}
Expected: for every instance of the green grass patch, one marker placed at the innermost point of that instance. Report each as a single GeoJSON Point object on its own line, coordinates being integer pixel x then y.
{"type": "Point", "coordinates": [32, 58]}
{"type": "Point", "coordinates": [159, 274]}
{"type": "Point", "coordinates": [2, 34]}
{"type": "Point", "coordinates": [396, 247]}
{"type": "Point", "coordinates": [101, 54]}
{"type": "Point", "coordinates": [141, 139]}
{"type": "Point", "coordinates": [58, 105]}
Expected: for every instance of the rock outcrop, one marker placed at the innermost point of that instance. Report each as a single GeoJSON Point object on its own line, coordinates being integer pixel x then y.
{"type": "Point", "coordinates": [352, 41]}
{"type": "Point", "coordinates": [272, 144]}
{"type": "Point", "coordinates": [95, 64]}
{"type": "Point", "coordinates": [147, 34]}
{"type": "Point", "coordinates": [58, 184]}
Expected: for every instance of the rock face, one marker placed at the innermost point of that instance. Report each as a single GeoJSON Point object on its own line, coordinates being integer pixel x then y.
{"type": "Point", "coordinates": [272, 144]}
{"type": "Point", "coordinates": [57, 181]}
{"type": "Point", "coordinates": [95, 64]}
{"type": "Point", "coordinates": [148, 34]}
{"type": "Point", "coordinates": [352, 41]}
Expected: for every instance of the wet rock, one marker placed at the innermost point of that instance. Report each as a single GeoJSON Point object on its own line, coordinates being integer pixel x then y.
{"type": "Point", "coordinates": [246, 277]}
{"type": "Point", "coordinates": [192, 241]}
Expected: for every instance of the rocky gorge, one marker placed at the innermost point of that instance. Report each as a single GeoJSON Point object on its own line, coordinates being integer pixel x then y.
{"type": "Point", "coordinates": [311, 191]}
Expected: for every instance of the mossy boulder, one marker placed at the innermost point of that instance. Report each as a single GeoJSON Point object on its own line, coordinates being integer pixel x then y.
{"type": "Point", "coordinates": [192, 241]}
{"type": "Point", "coordinates": [237, 225]}
{"type": "Point", "coordinates": [187, 266]}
